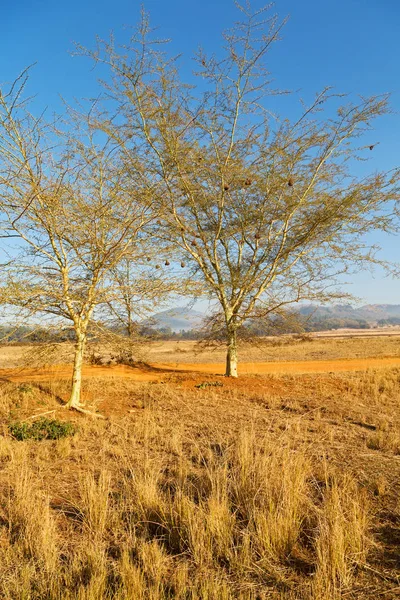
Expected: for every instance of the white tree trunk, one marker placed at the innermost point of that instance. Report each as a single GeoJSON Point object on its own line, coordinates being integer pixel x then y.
{"type": "Point", "coordinates": [231, 357]}
{"type": "Point", "coordinates": [75, 397]}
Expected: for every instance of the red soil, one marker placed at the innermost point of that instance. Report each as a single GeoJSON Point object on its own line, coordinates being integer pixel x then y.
{"type": "Point", "coordinates": [157, 371]}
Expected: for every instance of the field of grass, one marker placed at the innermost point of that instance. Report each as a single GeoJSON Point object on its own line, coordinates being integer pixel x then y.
{"type": "Point", "coordinates": [280, 349]}
{"type": "Point", "coordinates": [202, 488]}
{"type": "Point", "coordinates": [285, 348]}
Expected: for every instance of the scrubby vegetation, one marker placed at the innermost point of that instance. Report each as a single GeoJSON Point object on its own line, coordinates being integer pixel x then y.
{"type": "Point", "coordinates": [42, 429]}
{"type": "Point", "coordinates": [267, 487]}
{"type": "Point", "coordinates": [186, 488]}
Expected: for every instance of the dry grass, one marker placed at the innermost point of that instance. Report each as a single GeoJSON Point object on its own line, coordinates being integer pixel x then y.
{"type": "Point", "coordinates": [286, 348]}
{"type": "Point", "coordinates": [265, 487]}
{"type": "Point", "coordinates": [290, 348]}
{"type": "Point", "coordinates": [246, 521]}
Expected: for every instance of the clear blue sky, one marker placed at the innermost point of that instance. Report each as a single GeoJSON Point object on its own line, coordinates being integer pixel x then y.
{"type": "Point", "coordinates": [353, 45]}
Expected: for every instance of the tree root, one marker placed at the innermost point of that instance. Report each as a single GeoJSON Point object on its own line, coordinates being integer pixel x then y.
{"type": "Point", "coordinates": [83, 410]}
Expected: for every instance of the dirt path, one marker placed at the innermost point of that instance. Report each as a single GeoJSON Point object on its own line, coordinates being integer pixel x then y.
{"type": "Point", "coordinates": [309, 366]}
{"type": "Point", "coordinates": [65, 372]}
{"type": "Point", "coordinates": [156, 371]}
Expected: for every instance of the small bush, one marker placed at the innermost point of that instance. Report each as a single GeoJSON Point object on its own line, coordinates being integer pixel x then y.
{"type": "Point", "coordinates": [42, 429]}
{"type": "Point", "coordinates": [206, 384]}
{"type": "Point", "coordinates": [25, 388]}
{"type": "Point", "coordinates": [95, 359]}
{"type": "Point", "coordinates": [125, 357]}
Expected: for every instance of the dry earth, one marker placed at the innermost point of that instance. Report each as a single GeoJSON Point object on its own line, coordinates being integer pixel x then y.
{"type": "Point", "coordinates": [158, 371]}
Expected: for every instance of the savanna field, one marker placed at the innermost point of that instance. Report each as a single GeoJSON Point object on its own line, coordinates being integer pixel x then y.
{"type": "Point", "coordinates": [196, 486]}
{"type": "Point", "coordinates": [206, 191]}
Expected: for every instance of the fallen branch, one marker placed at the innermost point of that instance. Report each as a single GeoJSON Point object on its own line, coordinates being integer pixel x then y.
{"type": "Point", "coordinates": [48, 412]}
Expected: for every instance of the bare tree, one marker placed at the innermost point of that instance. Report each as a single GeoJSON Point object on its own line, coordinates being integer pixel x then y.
{"type": "Point", "coordinates": [265, 211]}
{"type": "Point", "coordinates": [137, 286]}
{"type": "Point", "coordinates": [75, 212]}
{"type": "Point", "coordinates": [139, 290]}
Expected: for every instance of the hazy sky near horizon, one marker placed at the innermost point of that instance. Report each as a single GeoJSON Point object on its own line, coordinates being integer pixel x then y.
{"type": "Point", "coordinates": [352, 45]}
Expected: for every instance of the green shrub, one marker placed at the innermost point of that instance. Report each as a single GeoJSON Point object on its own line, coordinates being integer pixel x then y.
{"type": "Point", "coordinates": [25, 388]}
{"type": "Point", "coordinates": [42, 429]}
{"type": "Point", "coordinates": [207, 384]}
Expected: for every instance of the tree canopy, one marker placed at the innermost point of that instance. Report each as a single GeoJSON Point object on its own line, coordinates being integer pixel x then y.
{"type": "Point", "coordinates": [265, 211]}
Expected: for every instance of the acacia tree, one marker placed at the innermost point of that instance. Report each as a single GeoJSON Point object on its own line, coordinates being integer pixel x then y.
{"type": "Point", "coordinates": [139, 289]}
{"type": "Point", "coordinates": [137, 286]}
{"type": "Point", "coordinates": [74, 211]}
{"type": "Point", "coordinates": [266, 211]}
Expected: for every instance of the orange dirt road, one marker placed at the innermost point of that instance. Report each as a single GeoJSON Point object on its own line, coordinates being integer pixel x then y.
{"type": "Point", "coordinates": [156, 371]}
{"type": "Point", "coordinates": [65, 372]}
{"type": "Point", "coordinates": [309, 366]}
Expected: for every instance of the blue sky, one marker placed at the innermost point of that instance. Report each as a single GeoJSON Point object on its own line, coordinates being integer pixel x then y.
{"type": "Point", "coordinates": [352, 45]}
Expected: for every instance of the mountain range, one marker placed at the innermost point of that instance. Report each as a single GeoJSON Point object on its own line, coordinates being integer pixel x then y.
{"type": "Point", "coordinates": [372, 313]}
{"type": "Point", "coordinates": [182, 318]}
{"type": "Point", "coordinates": [178, 319]}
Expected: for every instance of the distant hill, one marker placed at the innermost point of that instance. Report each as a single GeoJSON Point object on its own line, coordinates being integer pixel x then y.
{"type": "Point", "coordinates": [372, 313]}
{"type": "Point", "coordinates": [177, 319]}
{"type": "Point", "coordinates": [182, 318]}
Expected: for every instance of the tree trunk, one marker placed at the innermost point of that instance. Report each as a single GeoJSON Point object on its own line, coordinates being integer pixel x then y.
{"type": "Point", "coordinates": [75, 397]}
{"type": "Point", "coordinates": [231, 357]}
{"type": "Point", "coordinates": [130, 328]}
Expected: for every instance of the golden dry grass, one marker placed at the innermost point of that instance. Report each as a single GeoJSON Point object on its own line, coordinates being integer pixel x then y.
{"type": "Point", "coordinates": [290, 348]}
{"type": "Point", "coordinates": [286, 348]}
{"type": "Point", "coordinates": [267, 487]}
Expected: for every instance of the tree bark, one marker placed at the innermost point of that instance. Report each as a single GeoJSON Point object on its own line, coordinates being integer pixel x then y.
{"type": "Point", "coordinates": [231, 357]}
{"type": "Point", "coordinates": [75, 397]}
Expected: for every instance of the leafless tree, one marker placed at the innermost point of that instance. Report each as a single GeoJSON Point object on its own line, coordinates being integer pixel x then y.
{"type": "Point", "coordinates": [75, 211]}
{"type": "Point", "coordinates": [140, 286]}
{"type": "Point", "coordinates": [265, 211]}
